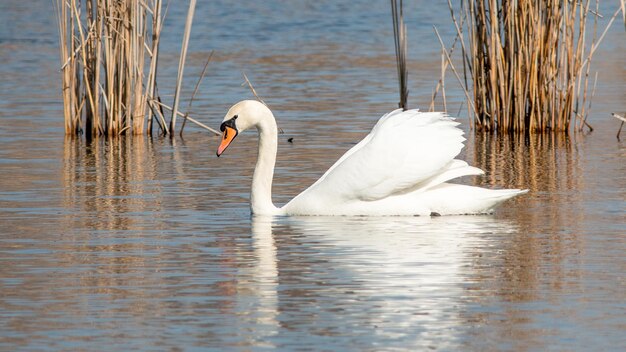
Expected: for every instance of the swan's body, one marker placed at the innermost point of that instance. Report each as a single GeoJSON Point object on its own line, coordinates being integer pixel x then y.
{"type": "Point", "coordinates": [400, 168]}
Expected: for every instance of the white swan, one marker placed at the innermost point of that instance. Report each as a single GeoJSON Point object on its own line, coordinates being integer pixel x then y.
{"type": "Point", "coordinates": [399, 168]}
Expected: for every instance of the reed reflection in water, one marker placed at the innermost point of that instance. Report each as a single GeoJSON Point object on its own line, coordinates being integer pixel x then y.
{"type": "Point", "coordinates": [550, 166]}
{"type": "Point", "coordinates": [111, 180]}
{"type": "Point", "coordinates": [540, 162]}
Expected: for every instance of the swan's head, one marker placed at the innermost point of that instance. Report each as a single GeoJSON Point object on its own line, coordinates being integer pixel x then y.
{"type": "Point", "coordinates": [240, 117]}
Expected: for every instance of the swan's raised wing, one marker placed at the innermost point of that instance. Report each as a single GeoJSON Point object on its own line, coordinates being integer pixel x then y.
{"type": "Point", "coordinates": [406, 150]}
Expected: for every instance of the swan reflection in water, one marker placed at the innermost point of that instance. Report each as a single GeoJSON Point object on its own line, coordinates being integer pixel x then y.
{"type": "Point", "coordinates": [406, 279]}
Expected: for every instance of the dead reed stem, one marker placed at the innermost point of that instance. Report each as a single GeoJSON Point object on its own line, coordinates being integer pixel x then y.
{"type": "Point", "coordinates": [445, 62]}
{"type": "Point", "coordinates": [399, 36]}
{"type": "Point", "coordinates": [623, 8]}
{"type": "Point", "coordinates": [153, 51]}
{"type": "Point", "coordinates": [619, 117]}
{"type": "Point", "coordinates": [528, 62]}
{"type": "Point", "coordinates": [195, 90]}
{"type": "Point", "coordinates": [252, 88]}
{"type": "Point", "coordinates": [181, 63]}
{"type": "Point", "coordinates": [187, 117]}
{"type": "Point", "coordinates": [247, 81]}
{"type": "Point", "coordinates": [456, 74]}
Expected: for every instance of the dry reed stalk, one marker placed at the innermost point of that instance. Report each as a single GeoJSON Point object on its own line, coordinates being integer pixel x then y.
{"type": "Point", "coordinates": [445, 64]}
{"type": "Point", "coordinates": [157, 110]}
{"type": "Point", "coordinates": [280, 130]}
{"type": "Point", "coordinates": [399, 36]}
{"type": "Point", "coordinates": [181, 63]}
{"type": "Point", "coordinates": [252, 88]}
{"type": "Point", "coordinates": [456, 74]}
{"type": "Point", "coordinates": [623, 119]}
{"type": "Point", "coordinates": [441, 83]}
{"type": "Point", "coordinates": [153, 50]}
{"type": "Point", "coordinates": [442, 80]}
{"type": "Point", "coordinates": [67, 56]}
{"type": "Point", "coordinates": [140, 30]}
{"type": "Point", "coordinates": [528, 62]}
{"type": "Point", "coordinates": [195, 90]}
{"type": "Point", "coordinates": [623, 7]}
{"type": "Point", "coordinates": [187, 117]}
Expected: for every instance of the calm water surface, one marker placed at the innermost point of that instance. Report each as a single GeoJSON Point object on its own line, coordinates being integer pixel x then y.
{"type": "Point", "coordinates": [148, 244]}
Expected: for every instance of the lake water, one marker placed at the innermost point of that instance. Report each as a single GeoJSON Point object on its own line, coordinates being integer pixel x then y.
{"type": "Point", "coordinates": [148, 243]}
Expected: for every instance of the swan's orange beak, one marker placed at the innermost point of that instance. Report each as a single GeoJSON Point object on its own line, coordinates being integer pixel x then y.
{"type": "Point", "coordinates": [227, 137]}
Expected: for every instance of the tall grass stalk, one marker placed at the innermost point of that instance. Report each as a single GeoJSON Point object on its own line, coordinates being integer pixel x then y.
{"type": "Point", "coordinates": [528, 62]}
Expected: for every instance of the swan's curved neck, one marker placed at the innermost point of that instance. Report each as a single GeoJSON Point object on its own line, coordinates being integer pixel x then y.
{"type": "Point", "coordinates": [261, 194]}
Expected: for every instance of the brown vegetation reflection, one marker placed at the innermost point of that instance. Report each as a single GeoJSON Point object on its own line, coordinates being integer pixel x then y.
{"type": "Point", "coordinates": [537, 162]}
{"type": "Point", "coordinates": [111, 178]}
{"type": "Point", "coordinates": [105, 183]}
{"type": "Point", "coordinates": [549, 165]}
{"type": "Point", "coordinates": [122, 235]}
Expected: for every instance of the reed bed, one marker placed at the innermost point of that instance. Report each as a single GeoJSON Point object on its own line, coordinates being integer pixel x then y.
{"type": "Point", "coordinates": [109, 52]}
{"type": "Point", "coordinates": [527, 63]}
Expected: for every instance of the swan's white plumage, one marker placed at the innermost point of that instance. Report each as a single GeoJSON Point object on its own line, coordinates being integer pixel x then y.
{"type": "Point", "coordinates": [400, 168]}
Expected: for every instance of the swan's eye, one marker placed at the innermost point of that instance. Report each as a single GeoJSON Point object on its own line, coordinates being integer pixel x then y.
{"type": "Point", "coordinates": [229, 123]}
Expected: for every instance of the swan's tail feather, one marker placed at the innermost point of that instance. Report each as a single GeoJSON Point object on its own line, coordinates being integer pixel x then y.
{"type": "Point", "coordinates": [498, 196]}
{"type": "Point", "coordinates": [493, 197]}
{"type": "Point", "coordinates": [462, 199]}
